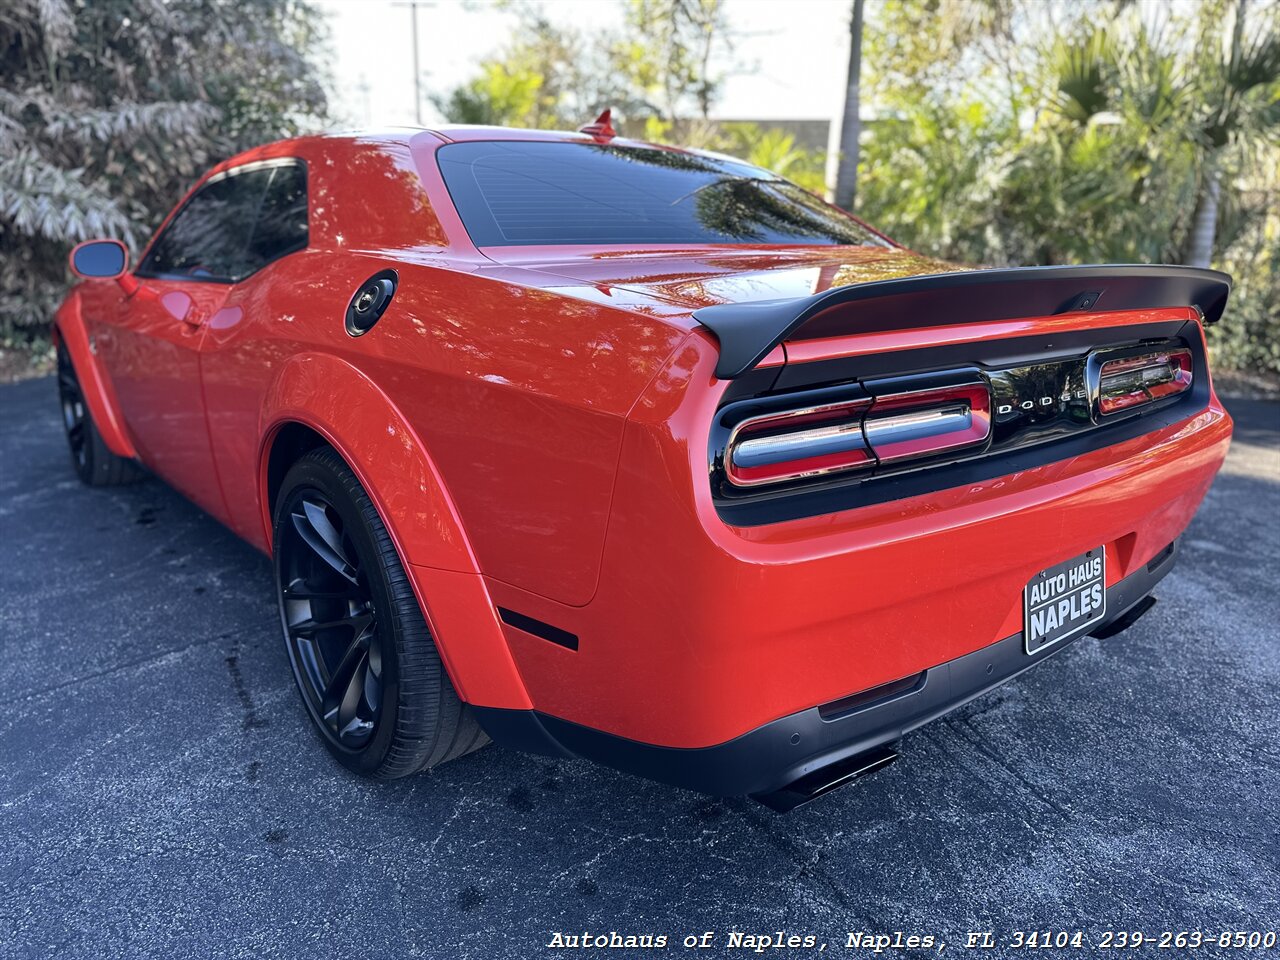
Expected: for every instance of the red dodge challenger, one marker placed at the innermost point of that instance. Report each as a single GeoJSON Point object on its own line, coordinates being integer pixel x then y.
{"type": "Point", "coordinates": [596, 448]}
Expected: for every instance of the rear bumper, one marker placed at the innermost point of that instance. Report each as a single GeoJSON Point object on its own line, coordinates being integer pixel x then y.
{"type": "Point", "coordinates": [700, 632]}
{"type": "Point", "coordinates": [783, 751]}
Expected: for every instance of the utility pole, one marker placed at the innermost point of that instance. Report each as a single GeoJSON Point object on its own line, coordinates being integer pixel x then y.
{"type": "Point", "coordinates": [413, 6]}
{"type": "Point", "coordinates": [366, 115]}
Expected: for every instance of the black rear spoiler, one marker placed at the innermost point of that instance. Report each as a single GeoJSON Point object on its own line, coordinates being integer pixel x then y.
{"type": "Point", "coordinates": [748, 331]}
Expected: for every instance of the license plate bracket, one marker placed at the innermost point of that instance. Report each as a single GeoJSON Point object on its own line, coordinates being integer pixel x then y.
{"type": "Point", "coordinates": [1061, 601]}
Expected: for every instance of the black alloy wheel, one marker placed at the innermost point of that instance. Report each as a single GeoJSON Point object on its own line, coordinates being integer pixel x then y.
{"type": "Point", "coordinates": [363, 657]}
{"type": "Point", "coordinates": [329, 620]}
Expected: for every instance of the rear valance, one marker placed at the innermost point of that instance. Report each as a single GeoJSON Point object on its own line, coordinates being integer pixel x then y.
{"type": "Point", "coordinates": [748, 331]}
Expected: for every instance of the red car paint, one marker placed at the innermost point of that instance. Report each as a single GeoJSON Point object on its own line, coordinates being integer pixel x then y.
{"type": "Point", "coordinates": [532, 424]}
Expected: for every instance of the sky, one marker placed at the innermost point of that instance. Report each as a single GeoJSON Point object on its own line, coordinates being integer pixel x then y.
{"type": "Point", "coordinates": [790, 61]}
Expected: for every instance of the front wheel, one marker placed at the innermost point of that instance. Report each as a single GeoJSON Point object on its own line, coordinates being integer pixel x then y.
{"type": "Point", "coordinates": [91, 458]}
{"type": "Point", "coordinates": [361, 651]}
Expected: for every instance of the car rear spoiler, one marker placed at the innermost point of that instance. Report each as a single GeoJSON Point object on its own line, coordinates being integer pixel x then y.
{"type": "Point", "coordinates": [748, 331]}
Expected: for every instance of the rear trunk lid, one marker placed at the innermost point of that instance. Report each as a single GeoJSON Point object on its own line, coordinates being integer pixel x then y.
{"type": "Point", "coordinates": [755, 298]}
{"type": "Point", "coordinates": [709, 276]}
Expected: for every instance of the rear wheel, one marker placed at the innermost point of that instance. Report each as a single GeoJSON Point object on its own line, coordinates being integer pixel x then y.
{"type": "Point", "coordinates": [363, 657]}
{"type": "Point", "coordinates": [92, 459]}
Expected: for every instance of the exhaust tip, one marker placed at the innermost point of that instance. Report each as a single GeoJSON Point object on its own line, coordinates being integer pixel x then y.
{"type": "Point", "coordinates": [825, 779]}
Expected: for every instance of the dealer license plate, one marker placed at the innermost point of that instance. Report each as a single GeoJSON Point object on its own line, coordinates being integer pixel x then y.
{"type": "Point", "coordinates": [1065, 599]}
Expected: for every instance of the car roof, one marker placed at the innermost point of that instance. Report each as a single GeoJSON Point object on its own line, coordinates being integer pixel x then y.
{"type": "Point", "coordinates": [457, 132]}
{"type": "Point", "coordinates": [464, 133]}
{"type": "Point", "coordinates": [448, 133]}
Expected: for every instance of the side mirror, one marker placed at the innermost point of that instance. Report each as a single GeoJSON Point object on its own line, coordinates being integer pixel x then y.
{"type": "Point", "coordinates": [99, 259]}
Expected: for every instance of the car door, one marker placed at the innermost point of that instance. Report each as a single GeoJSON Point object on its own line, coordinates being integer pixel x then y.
{"type": "Point", "coordinates": [248, 339]}
{"type": "Point", "coordinates": [152, 349]}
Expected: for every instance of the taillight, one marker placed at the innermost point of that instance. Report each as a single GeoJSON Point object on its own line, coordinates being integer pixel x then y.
{"type": "Point", "coordinates": [857, 434]}
{"type": "Point", "coordinates": [1133, 381]}
{"type": "Point", "coordinates": [903, 426]}
{"type": "Point", "coordinates": [798, 443]}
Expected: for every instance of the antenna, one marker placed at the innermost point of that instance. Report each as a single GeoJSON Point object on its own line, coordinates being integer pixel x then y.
{"type": "Point", "coordinates": [602, 128]}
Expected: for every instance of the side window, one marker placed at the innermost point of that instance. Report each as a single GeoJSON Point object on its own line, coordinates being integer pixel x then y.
{"type": "Point", "coordinates": [281, 227]}
{"type": "Point", "coordinates": [234, 226]}
{"type": "Point", "coordinates": [208, 239]}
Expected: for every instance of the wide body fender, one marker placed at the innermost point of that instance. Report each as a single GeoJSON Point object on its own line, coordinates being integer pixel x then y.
{"type": "Point", "coordinates": [71, 331]}
{"type": "Point", "coordinates": [335, 399]}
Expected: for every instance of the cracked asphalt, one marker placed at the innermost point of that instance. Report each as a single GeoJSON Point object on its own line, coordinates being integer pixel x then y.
{"type": "Point", "coordinates": [162, 796]}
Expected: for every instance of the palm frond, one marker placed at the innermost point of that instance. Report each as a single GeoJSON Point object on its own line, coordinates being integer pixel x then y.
{"type": "Point", "coordinates": [1084, 70]}
{"type": "Point", "coordinates": [1257, 65]}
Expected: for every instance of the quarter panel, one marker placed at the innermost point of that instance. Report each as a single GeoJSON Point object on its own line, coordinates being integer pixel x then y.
{"type": "Point", "coordinates": [364, 426]}
{"type": "Point", "coordinates": [72, 330]}
{"type": "Point", "coordinates": [519, 395]}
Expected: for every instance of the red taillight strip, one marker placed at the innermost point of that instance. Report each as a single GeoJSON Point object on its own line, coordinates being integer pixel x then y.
{"type": "Point", "coordinates": [927, 422]}
{"type": "Point", "coordinates": [798, 443]}
{"type": "Point", "coordinates": [1130, 382]}
{"type": "Point", "coordinates": [811, 441]}
{"type": "Point", "coordinates": [916, 430]}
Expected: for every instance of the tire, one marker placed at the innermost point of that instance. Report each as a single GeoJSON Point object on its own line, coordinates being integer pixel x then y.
{"type": "Point", "coordinates": [362, 654]}
{"type": "Point", "coordinates": [91, 458]}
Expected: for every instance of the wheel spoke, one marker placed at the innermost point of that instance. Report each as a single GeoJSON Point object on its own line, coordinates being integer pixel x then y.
{"type": "Point", "coordinates": [319, 534]}
{"type": "Point", "coordinates": [349, 720]}
{"type": "Point", "coordinates": [304, 592]}
{"type": "Point", "coordinates": [372, 685]}
{"type": "Point", "coordinates": [330, 622]}
{"type": "Point", "coordinates": [323, 526]}
{"type": "Point", "coordinates": [340, 681]}
{"type": "Point", "coordinates": [310, 626]}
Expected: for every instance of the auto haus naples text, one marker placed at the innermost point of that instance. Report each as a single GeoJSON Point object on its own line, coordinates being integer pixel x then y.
{"type": "Point", "coordinates": [1070, 595]}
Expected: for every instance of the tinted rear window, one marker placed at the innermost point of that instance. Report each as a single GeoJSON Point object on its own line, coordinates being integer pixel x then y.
{"type": "Point", "coordinates": [510, 193]}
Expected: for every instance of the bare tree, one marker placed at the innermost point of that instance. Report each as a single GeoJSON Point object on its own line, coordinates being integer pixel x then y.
{"type": "Point", "coordinates": [842, 148]}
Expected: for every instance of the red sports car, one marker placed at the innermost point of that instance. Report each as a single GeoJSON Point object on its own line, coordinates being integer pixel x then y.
{"type": "Point", "coordinates": [596, 448]}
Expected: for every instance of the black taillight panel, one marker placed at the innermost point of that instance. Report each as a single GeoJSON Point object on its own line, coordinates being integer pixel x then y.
{"type": "Point", "coordinates": [876, 436]}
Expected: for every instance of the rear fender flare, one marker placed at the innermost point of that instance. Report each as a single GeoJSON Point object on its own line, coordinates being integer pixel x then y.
{"type": "Point", "coordinates": [356, 418]}
{"type": "Point", "coordinates": [69, 331]}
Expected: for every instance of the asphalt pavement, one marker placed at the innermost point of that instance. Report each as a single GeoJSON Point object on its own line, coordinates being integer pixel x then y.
{"type": "Point", "coordinates": [162, 796]}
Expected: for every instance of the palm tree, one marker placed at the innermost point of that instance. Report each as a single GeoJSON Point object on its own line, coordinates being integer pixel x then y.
{"type": "Point", "coordinates": [842, 152]}
{"type": "Point", "coordinates": [1241, 108]}
{"type": "Point", "coordinates": [1218, 112]}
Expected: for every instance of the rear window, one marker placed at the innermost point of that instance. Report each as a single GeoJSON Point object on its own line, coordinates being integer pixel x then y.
{"type": "Point", "coordinates": [510, 193]}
